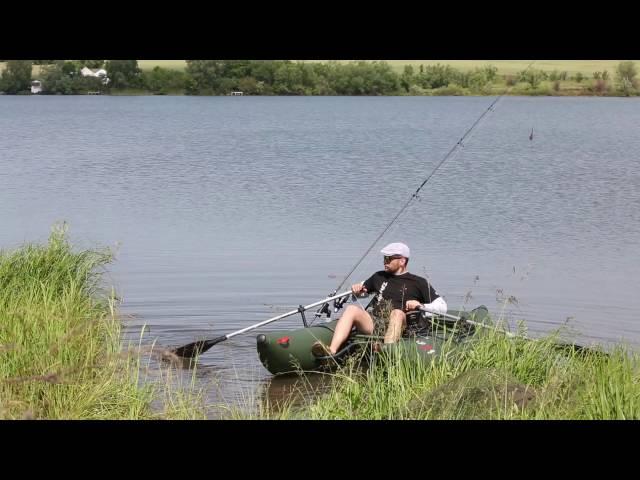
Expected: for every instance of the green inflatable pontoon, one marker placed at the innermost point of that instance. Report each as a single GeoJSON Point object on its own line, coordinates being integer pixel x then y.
{"type": "Point", "coordinates": [289, 351]}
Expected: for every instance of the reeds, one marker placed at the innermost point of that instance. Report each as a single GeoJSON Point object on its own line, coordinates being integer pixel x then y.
{"type": "Point", "coordinates": [60, 346]}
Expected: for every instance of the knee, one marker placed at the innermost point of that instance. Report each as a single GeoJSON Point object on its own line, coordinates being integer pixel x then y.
{"type": "Point", "coordinates": [398, 316]}
{"type": "Point", "coordinates": [351, 310]}
{"type": "Point", "coordinates": [351, 313]}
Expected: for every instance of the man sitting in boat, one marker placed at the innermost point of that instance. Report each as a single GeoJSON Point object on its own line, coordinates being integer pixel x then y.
{"type": "Point", "coordinates": [396, 290]}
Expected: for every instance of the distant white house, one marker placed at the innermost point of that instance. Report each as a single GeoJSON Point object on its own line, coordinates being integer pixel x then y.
{"type": "Point", "coordinates": [95, 72]}
{"type": "Point", "coordinates": [36, 86]}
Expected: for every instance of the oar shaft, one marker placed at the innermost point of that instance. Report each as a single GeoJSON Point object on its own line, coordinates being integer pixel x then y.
{"type": "Point", "coordinates": [288, 314]}
{"type": "Point", "coordinates": [508, 334]}
{"type": "Point", "coordinates": [477, 324]}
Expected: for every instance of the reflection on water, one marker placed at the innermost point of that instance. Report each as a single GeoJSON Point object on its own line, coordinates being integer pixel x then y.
{"type": "Point", "coordinates": [291, 393]}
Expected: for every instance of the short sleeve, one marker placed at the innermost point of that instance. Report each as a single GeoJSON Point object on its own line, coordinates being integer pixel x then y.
{"type": "Point", "coordinates": [429, 293]}
{"type": "Point", "coordinates": [370, 283]}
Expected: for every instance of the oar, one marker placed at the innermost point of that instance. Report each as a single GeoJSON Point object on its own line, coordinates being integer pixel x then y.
{"type": "Point", "coordinates": [192, 349]}
{"type": "Point", "coordinates": [477, 324]}
{"type": "Point", "coordinates": [575, 346]}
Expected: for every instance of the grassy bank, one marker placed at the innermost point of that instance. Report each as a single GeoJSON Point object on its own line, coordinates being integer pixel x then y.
{"type": "Point", "coordinates": [505, 67]}
{"type": "Point", "coordinates": [511, 67]}
{"type": "Point", "coordinates": [500, 378]}
{"type": "Point", "coordinates": [61, 355]}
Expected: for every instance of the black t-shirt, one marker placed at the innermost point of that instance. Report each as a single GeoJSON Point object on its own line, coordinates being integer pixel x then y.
{"type": "Point", "coordinates": [398, 289]}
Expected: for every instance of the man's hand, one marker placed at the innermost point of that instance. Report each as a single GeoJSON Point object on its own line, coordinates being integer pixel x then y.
{"type": "Point", "coordinates": [358, 289]}
{"type": "Point", "coordinates": [413, 305]}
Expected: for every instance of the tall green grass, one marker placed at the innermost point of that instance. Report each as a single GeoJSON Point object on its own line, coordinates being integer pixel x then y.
{"type": "Point", "coordinates": [60, 341]}
{"type": "Point", "coordinates": [495, 378]}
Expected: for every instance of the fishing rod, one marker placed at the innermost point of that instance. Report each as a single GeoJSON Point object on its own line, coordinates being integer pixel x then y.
{"type": "Point", "coordinates": [414, 195]}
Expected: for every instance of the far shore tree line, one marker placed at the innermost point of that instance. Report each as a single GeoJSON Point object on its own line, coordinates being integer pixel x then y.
{"type": "Point", "coordinates": [284, 77]}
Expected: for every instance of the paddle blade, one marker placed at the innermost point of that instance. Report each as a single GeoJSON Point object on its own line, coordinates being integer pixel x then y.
{"type": "Point", "coordinates": [195, 348]}
{"type": "Point", "coordinates": [191, 350]}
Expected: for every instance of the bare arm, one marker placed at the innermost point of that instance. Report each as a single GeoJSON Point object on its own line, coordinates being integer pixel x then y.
{"type": "Point", "coordinates": [359, 288]}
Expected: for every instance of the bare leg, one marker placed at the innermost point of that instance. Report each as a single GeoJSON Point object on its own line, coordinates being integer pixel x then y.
{"type": "Point", "coordinates": [397, 322]}
{"type": "Point", "coordinates": [353, 315]}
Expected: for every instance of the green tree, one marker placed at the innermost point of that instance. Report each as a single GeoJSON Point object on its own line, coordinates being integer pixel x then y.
{"type": "Point", "coordinates": [265, 70]}
{"type": "Point", "coordinates": [367, 78]}
{"type": "Point", "coordinates": [204, 76]}
{"type": "Point", "coordinates": [92, 63]}
{"type": "Point", "coordinates": [407, 78]}
{"type": "Point", "coordinates": [289, 80]}
{"type": "Point", "coordinates": [479, 79]}
{"type": "Point", "coordinates": [162, 81]}
{"type": "Point", "coordinates": [437, 76]}
{"type": "Point", "coordinates": [250, 86]}
{"type": "Point", "coordinates": [16, 77]}
{"type": "Point", "coordinates": [490, 72]}
{"type": "Point", "coordinates": [62, 79]}
{"type": "Point", "coordinates": [626, 77]}
{"type": "Point", "coordinates": [71, 67]}
{"type": "Point", "coordinates": [81, 85]}
{"type": "Point", "coordinates": [124, 73]}
{"type": "Point", "coordinates": [532, 77]}
{"type": "Point", "coordinates": [337, 78]}
{"type": "Point", "coordinates": [227, 85]}
{"type": "Point", "coordinates": [384, 80]}
{"type": "Point", "coordinates": [55, 80]}
{"type": "Point", "coordinates": [322, 86]}
{"type": "Point", "coordinates": [236, 68]}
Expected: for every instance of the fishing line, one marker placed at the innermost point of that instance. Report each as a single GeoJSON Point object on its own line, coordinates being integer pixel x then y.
{"type": "Point", "coordinates": [414, 196]}
{"type": "Point", "coordinates": [370, 264]}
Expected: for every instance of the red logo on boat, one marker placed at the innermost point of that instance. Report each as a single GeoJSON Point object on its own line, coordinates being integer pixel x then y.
{"type": "Point", "coordinates": [426, 347]}
{"type": "Point", "coordinates": [284, 341]}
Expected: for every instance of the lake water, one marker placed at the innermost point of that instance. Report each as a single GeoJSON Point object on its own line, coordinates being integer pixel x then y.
{"type": "Point", "coordinates": [226, 211]}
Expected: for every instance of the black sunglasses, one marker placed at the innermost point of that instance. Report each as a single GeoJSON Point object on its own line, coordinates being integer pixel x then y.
{"type": "Point", "coordinates": [388, 259]}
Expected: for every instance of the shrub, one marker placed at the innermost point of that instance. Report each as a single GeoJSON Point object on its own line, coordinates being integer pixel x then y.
{"type": "Point", "coordinates": [626, 77]}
